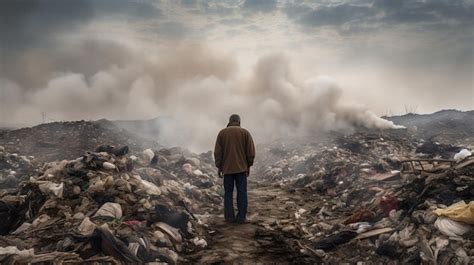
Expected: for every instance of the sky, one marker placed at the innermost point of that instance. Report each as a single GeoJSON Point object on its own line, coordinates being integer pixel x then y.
{"type": "Point", "coordinates": [202, 60]}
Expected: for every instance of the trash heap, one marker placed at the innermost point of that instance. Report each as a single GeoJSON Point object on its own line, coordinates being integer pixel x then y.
{"type": "Point", "coordinates": [68, 140]}
{"type": "Point", "coordinates": [329, 165]}
{"type": "Point", "coordinates": [386, 209]}
{"type": "Point", "coordinates": [13, 166]}
{"type": "Point", "coordinates": [107, 207]}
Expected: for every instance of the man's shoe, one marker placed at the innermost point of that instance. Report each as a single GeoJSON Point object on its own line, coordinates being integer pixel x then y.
{"type": "Point", "coordinates": [240, 221]}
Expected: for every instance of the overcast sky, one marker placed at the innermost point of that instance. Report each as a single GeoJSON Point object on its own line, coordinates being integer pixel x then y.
{"type": "Point", "coordinates": [387, 55]}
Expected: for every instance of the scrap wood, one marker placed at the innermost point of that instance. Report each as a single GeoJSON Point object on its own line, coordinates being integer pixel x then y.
{"type": "Point", "coordinates": [420, 168]}
{"type": "Point", "coordinates": [464, 164]}
{"type": "Point", "coordinates": [375, 232]}
{"type": "Point", "coordinates": [384, 176]}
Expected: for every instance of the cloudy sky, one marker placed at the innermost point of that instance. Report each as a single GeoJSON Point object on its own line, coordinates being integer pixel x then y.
{"type": "Point", "coordinates": [69, 58]}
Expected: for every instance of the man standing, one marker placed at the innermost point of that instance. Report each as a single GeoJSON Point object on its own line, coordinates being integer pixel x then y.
{"type": "Point", "coordinates": [234, 153]}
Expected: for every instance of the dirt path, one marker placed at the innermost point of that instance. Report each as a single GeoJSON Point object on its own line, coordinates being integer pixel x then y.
{"type": "Point", "coordinates": [257, 241]}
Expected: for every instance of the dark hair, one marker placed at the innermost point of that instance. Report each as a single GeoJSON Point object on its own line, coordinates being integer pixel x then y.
{"type": "Point", "coordinates": [234, 118]}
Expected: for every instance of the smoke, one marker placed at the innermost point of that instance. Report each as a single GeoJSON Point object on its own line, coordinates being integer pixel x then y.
{"type": "Point", "coordinates": [196, 87]}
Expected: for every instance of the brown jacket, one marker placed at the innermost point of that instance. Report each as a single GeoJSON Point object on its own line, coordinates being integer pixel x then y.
{"type": "Point", "coordinates": [234, 151]}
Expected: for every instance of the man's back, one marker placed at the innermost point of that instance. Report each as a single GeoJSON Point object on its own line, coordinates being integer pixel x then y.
{"type": "Point", "coordinates": [234, 151]}
{"type": "Point", "coordinates": [234, 154]}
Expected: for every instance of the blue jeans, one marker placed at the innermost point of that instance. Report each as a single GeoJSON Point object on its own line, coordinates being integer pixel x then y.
{"type": "Point", "coordinates": [240, 180]}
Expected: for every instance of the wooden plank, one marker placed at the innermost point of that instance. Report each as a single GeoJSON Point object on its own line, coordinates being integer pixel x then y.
{"type": "Point", "coordinates": [374, 232]}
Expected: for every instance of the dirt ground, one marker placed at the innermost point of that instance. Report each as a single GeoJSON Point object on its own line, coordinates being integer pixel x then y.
{"type": "Point", "coordinates": [255, 242]}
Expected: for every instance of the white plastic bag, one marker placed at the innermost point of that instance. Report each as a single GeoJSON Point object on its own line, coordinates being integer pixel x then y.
{"type": "Point", "coordinates": [450, 227]}
{"type": "Point", "coordinates": [50, 187]}
{"type": "Point", "coordinates": [110, 209]}
{"type": "Point", "coordinates": [462, 154]}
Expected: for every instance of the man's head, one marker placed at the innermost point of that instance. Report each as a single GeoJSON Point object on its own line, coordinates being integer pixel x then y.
{"type": "Point", "coordinates": [234, 118]}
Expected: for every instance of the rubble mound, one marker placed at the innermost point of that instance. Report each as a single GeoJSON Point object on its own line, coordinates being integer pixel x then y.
{"type": "Point", "coordinates": [14, 168]}
{"type": "Point", "coordinates": [339, 158]}
{"type": "Point", "coordinates": [445, 126]}
{"type": "Point", "coordinates": [67, 140]}
{"type": "Point", "coordinates": [108, 207]}
{"type": "Point", "coordinates": [369, 197]}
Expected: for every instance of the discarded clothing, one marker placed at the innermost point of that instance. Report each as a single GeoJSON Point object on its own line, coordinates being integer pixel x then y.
{"type": "Point", "coordinates": [8, 215]}
{"type": "Point", "coordinates": [361, 215]}
{"type": "Point", "coordinates": [335, 240]}
{"type": "Point", "coordinates": [174, 218]}
{"type": "Point", "coordinates": [115, 247]}
{"type": "Point", "coordinates": [117, 151]}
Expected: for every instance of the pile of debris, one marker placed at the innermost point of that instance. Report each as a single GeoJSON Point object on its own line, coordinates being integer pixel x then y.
{"type": "Point", "coordinates": [421, 213]}
{"type": "Point", "coordinates": [107, 206]}
{"type": "Point", "coordinates": [67, 140]}
{"type": "Point", "coordinates": [330, 164]}
{"type": "Point", "coordinates": [13, 167]}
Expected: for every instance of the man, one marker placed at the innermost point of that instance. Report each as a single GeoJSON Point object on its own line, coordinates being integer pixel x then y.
{"type": "Point", "coordinates": [234, 153]}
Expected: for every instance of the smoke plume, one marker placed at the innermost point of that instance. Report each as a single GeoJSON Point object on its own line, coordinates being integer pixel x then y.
{"type": "Point", "coordinates": [194, 86]}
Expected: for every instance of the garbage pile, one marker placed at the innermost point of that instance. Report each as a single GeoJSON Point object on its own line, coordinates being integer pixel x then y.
{"type": "Point", "coordinates": [13, 167]}
{"type": "Point", "coordinates": [68, 140]}
{"type": "Point", "coordinates": [329, 165]}
{"type": "Point", "coordinates": [368, 202]}
{"type": "Point", "coordinates": [108, 207]}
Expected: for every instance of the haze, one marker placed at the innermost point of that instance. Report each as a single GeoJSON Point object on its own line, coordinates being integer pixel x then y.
{"type": "Point", "coordinates": [286, 66]}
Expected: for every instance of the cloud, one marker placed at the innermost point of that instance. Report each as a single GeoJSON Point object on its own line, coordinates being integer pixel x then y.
{"type": "Point", "coordinates": [263, 6]}
{"type": "Point", "coordinates": [232, 21]}
{"type": "Point", "coordinates": [382, 12]}
{"type": "Point", "coordinates": [128, 59]}
{"type": "Point", "coordinates": [25, 23]}
{"type": "Point", "coordinates": [336, 15]}
{"type": "Point", "coordinates": [31, 33]}
{"type": "Point", "coordinates": [426, 11]}
{"type": "Point", "coordinates": [173, 29]}
{"type": "Point", "coordinates": [33, 67]}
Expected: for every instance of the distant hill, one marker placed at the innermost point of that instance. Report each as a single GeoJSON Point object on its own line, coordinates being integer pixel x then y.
{"type": "Point", "coordinates": [445, 125]}
{"type": "Point", "coordinates": [68, 140]}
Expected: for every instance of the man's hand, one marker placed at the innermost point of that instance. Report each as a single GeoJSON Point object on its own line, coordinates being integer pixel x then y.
{"type": "Point", "coordinates": [248, 172]}
{"type": "Point", "coordinates": [219, 173]}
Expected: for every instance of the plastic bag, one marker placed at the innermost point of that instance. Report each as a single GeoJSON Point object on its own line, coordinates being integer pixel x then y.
{"type": "Point", "coordinates": [450, 227]}
{"type": "Point", "coordinates": [110, 209]}
{"type": "Point", "coordinates": [459, 211]}
{"type": "Point", "coordinates": [87, 227]}
{"type": "Point", "coordinates": [462, 154]}
{"type": "Point", "coordinates": [50, 187]}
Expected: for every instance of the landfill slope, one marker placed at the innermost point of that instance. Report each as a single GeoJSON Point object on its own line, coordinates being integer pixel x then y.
{"type": "Point", "coordinates": [68, 140]}
{"type": "Point", "coordinates": [445, 126]}
{"type": "Point", "coordinates": [90, 192]}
